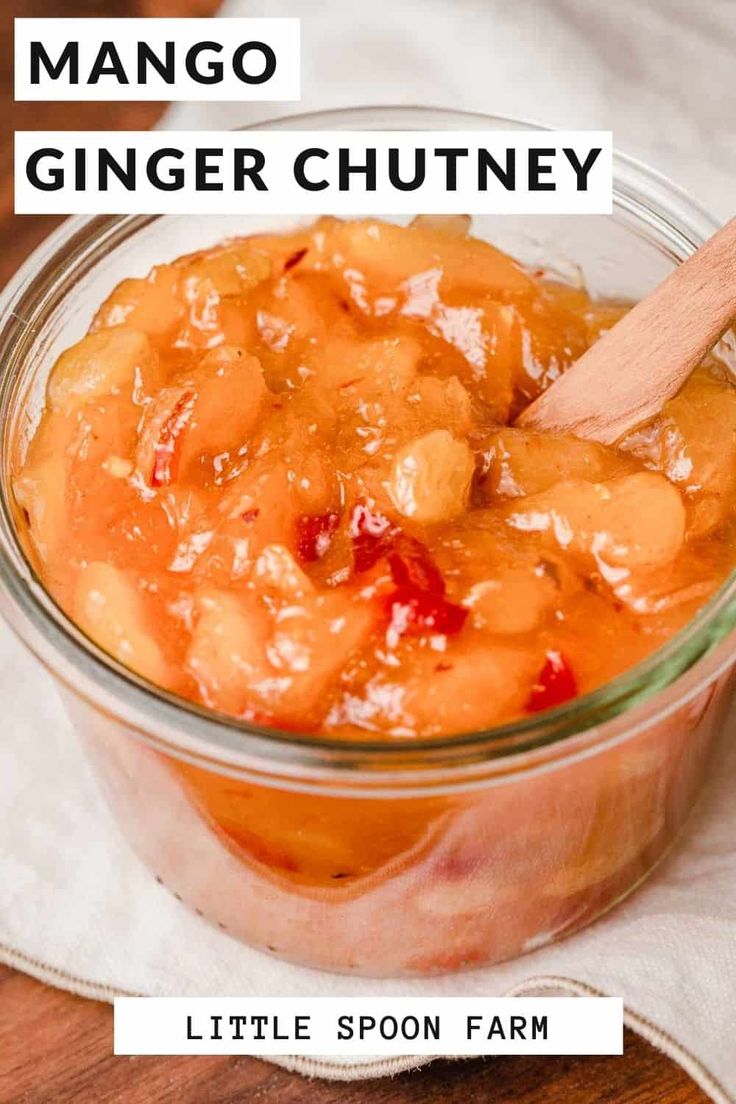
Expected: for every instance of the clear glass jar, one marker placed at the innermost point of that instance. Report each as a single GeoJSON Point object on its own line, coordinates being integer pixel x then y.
{"type": "Point", "coordinates": [367, 857]}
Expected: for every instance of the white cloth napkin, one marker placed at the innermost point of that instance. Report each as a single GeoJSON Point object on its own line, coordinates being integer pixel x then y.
{"type": "Point", "coordinates": [76, 907]}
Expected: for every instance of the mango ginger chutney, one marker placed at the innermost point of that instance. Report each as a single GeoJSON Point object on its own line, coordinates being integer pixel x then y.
{"type": "Point", "coordinates": [281, 478]}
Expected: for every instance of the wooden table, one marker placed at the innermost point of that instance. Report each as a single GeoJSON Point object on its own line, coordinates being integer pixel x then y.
{"type": "Point", "coordinates": [57, 1048]}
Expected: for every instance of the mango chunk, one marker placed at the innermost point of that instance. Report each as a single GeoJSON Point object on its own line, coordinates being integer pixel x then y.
{"type": "Point", "coordinates": [227, 649]}
{"type": "Point", "coordinates": [629, 521]}
{"type": "Point", "coordinates": [107, 362]}
{"type": "Point", "coordinates": [109, 609]}
{"type": "Point", "coordinates": [513, 600]}
{"type": "Point", "coordinates": [460, 691]}
{"type": "Point", "coordinates": [389, 254]}
{"type": "Point", "coordinates": [207, 411]}
{"type": "Point", "coordinates": [518, 462]}
{"type": "Point", "coordinates": [383, 365]}
{"type": "Point", "coordinates": [456, 226]}
{"type": "Point", "coordinates": [442, 403]}
{"type": "Point", "coordinates": [488, 337]}
{"type": "Point", "coordinates": [277, 665]}
{"type": "Point", "coordinates": [235, 270]}
{"type": "Point", "coordinates": [312, 641]}
{"type": "Point", "coordinates": [431, 477]}
{"type": "Point", "coordinates": [693, 443]}
{"type": "Point", "coordinates": [149, 305]}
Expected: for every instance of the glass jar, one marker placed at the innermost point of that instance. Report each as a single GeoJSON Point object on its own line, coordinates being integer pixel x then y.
{"type": "Point", "coordinates": [367, 857]}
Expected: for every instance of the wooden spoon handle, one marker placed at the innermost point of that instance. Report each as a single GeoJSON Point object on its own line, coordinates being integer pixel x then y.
{"type": "Point", "coordinates": [628, 374]}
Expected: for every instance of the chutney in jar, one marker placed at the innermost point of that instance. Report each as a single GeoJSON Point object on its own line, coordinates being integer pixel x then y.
{"type": "Point", "coordinates": [282, 478]}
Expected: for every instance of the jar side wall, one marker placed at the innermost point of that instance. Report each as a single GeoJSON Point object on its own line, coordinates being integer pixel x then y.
{"type": "Point", "coordinates": [420, 885]}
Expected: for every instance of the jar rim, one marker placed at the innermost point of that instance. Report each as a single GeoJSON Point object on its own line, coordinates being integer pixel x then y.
{"type": "Point", "coordinates": [201, 735]}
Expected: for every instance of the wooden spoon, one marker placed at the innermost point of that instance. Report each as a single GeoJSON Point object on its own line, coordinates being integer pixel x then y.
{"type": "Point", "coordinates": [628, 374]}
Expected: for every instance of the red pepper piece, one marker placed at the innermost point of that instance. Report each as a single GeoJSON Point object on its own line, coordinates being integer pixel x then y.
{"type": "Point", "coordinates": [372, 535]}
{"type": "Point", "coordinates": [412, 566]}
{"type": "Point", "coordinates": [172, 427]}
{"type": "Point", "coordinates": [555, 684]}
{"type": "Point", "coordinates": [414, 611]}
{"type": "Point", "coordinates": [418, 604]}
{"type": "Point", "coordinates": [314, 534]}
{"type": "Point", "coordinates": [294, 259]}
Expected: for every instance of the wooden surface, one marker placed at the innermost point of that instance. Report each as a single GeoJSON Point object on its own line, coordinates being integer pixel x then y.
{"type": "Point", "coordinates": [56, 1048]}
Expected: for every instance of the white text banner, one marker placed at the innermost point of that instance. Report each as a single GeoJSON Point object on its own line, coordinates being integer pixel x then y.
{"type": "Point", "coordinates": [368, 1026]}
{"type": "Point", "coordinates": [157, 59]}
{"type": "Point", "coordinates": [313, 172]}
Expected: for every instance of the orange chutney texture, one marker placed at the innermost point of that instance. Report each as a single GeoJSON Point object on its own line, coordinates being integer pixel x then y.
{"type": "Point", "coordinates": [281, 478]}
